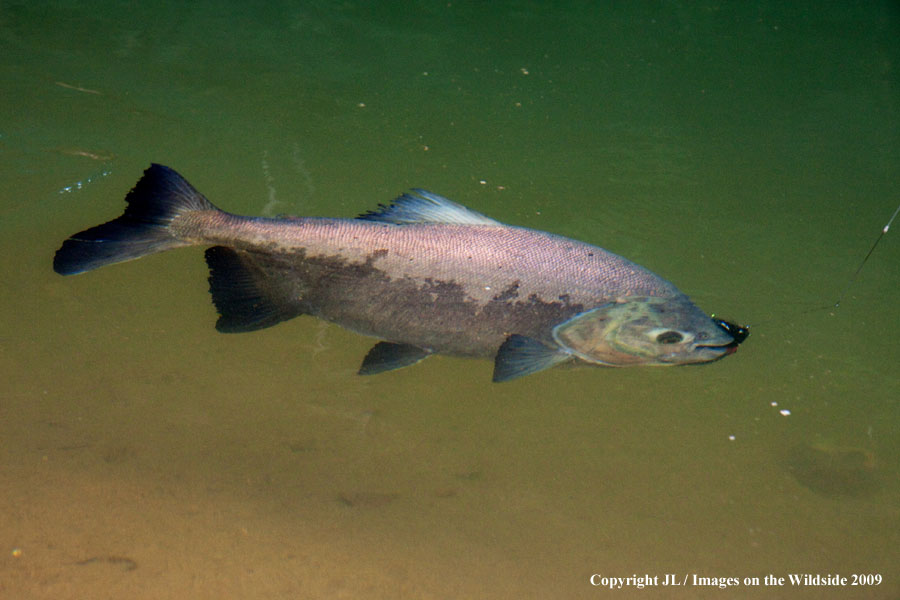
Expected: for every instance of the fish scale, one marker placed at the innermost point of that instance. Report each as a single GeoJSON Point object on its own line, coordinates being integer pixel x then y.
{"type": "Point", "coordinates": [475, 256]}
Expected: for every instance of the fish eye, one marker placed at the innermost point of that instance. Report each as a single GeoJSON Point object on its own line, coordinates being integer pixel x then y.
{"type": "Point", "coordinates": [669, 337]}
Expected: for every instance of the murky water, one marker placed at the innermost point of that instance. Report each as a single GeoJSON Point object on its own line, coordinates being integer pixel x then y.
{"type": "Point", "coordinates": [748, 153]}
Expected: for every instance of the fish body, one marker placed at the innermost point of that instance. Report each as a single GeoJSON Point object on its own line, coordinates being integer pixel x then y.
{"type": "Point", "coordinates": [425, 275]}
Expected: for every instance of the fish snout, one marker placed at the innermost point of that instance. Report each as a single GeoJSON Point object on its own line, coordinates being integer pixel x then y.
{"type": "Point", "coordinates": [738, 333]}
{"type": "Point", "coordinates": [730, 336]}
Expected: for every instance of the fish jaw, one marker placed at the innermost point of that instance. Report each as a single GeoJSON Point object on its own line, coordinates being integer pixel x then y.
{"type": "Point", "coordinates": [644, 330]}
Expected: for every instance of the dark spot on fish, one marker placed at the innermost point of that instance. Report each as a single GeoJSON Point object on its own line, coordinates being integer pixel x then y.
{"type": "Point", "coordinates": [509, 293]}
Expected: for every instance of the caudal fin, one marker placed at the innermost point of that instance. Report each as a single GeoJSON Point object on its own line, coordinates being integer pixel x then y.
{"type": "Point", "coordinates": [157, 198]}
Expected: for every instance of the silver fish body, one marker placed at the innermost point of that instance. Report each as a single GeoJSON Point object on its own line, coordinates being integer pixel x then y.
{"type": "Point", "coordinates": [424, 275]}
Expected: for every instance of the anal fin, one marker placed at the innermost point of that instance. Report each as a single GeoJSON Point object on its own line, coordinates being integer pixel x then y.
{"type": "Point", "coordinates": [519, 356]}
{"type": "Point", "coordinates": [387, 356]}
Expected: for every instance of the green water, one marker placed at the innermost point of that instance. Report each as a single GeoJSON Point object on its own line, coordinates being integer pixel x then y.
{"type": "Point", "coordinates": [747, 152]}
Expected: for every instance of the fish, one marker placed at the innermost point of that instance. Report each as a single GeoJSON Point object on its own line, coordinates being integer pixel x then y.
{"type": "Point", "coordinates": [423, 275]}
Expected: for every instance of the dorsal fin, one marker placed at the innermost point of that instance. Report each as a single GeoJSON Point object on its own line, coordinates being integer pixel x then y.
{"type": "Point", "coordinates": [425, 207]}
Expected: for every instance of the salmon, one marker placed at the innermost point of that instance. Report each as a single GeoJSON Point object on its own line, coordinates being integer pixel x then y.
{"type": "Point", "coordinates": [423, 275]}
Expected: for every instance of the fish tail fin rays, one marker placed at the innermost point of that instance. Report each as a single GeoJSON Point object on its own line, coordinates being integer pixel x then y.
{"type": "Point", "coordinates": [245, 297]}
{"type": "Point", "coordinates": [159, 197]}
{"type": "Point", "coordinates": [519, 356]}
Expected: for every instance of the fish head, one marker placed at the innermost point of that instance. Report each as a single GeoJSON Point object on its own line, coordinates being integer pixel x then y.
{"type": "Point", "coordinates": [645, 330]}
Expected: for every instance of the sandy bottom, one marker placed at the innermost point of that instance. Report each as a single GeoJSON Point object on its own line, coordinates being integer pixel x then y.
{"type": "Point", "coordinates": [431, 483]}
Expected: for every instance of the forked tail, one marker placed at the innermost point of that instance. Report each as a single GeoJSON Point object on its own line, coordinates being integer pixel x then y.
{"type": "Point", "coordinates": [156, 200]}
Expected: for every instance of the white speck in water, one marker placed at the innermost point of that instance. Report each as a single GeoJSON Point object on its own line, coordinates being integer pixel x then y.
{"type": "Point", "coordinates": [784, 412]}
{"type": "Point", "coordinates": [731, 438]}
{"type": "Point", "coordinates": [81, 184]}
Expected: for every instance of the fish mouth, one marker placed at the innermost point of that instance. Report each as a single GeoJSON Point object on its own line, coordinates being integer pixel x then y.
{"type": "Point", "coordinates": [738, 334]}
{"type": "Point", "coordinates": [723, 350]}
{"type": "Point", "coordinates": [715, 352]}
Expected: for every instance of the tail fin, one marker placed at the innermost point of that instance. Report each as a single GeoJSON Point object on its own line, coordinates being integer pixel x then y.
{"type": "Point", "coordinates": [157, 198]}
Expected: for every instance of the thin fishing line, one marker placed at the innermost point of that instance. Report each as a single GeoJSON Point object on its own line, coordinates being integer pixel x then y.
{"type": "Point", "coordinates": [871, 250]}
{"type": "Point", "coordinates": [884, 230]}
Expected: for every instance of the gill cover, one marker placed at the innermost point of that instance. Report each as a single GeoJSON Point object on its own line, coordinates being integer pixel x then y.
{"type": "Point", "coordinates": [643, 330]}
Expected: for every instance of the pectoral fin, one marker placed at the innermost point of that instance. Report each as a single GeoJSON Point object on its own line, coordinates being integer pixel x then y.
{"type": "Point", "coordinates": [519, 356]}
{"type": "Point", "coordinates": [387, 356]}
